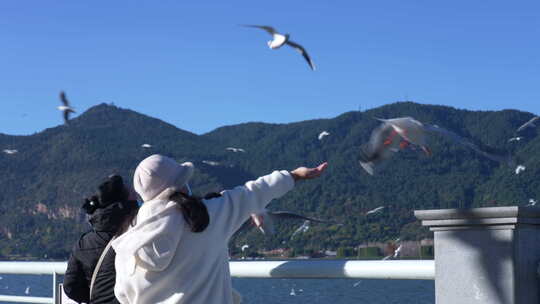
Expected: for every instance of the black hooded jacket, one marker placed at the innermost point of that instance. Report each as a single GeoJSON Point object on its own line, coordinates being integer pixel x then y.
{"type": "Point", "coordinates": [86, 252]}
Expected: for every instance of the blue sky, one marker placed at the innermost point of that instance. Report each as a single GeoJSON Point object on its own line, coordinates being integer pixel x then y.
{"type": "Point", "coordinates": [193, 66]}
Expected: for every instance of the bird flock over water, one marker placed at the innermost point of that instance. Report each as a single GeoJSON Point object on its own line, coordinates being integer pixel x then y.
{"type": "Point", "coordinates": [387, 140]}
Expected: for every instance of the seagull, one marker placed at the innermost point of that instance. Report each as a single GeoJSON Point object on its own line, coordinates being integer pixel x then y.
{"type": "Point", "coordinates": [398, 251]}
{"type": "Point", "coordinates": [234, 149]}
{"type": "Point", "coordinates": [393, 250]}
{"type": "Point", "coordinates": [323, 135]}
{"type": "Point", "coordinates": [9, 151]}
{"type": "Point", "coordinates": [532, 202]}
{"type": "Point", "coordinates": [146, 146]}
{"type": "Point", "coordinates": [65, 108]}
{"type": "Point", "coordinates": [210, 162]}
{"type": "Point", "coordinates": [374, 211]}
{"type": "Point", "coordinates": [520, 169]}
{"type": "Point", "coordinates": [281, 39]}
{"type": "Point", "coordinates": [264, 221]}
{"type": "Point", "coordinates": [304, 228]}
{"type": "Point", "coordinates": [357, 283]}
{"type": "Point", "coordinates": [396, 134]}
{"type": "Point", "coordinates": [27, 290]}
{"type": "Point", "coordinates": [246, 246]}
{"type": "Point", "coordinates": [529, 123]}
{"type": "Point", "coordinates": [515, 139]}
{"type": "Point", "coordinates": [293, 293]}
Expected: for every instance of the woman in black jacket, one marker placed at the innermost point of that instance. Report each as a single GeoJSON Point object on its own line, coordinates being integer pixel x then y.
{"type": "Point", "coordinates": [111, 212]}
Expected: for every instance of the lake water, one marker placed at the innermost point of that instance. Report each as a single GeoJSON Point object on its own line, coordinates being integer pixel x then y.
{"type": "Point", "coordinates": [270, 291]}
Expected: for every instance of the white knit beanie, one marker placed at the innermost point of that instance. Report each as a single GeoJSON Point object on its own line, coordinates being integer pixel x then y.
{"type": "Point", "coordinates": [158, 173]}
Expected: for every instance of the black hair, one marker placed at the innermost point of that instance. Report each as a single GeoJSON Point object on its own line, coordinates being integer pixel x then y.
{"type": "Point", "coordinates": [110, 191]}
{"type": "Point", "coordinates": [194, 210]}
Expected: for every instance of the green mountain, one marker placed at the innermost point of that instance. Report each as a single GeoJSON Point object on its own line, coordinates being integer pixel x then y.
{"type": "Point", "coordinates": [43, 185]}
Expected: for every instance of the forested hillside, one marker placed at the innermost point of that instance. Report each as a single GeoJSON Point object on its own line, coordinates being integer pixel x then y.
{"type": "Point", "coordinates": [44, 183]}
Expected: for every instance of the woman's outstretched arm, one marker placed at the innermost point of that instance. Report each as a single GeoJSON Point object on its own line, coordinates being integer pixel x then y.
{"type": "Point", "coordinates": [228, 212]}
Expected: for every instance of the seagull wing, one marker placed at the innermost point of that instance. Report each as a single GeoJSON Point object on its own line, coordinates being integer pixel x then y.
{"type": "Point", "coordinates": [63, 99]}
{"type": "Point", "coordinates": [529, 123]}
{"type": "Point", "coordinates": [462, 141]}
{"type": "Point", "coordinates": [66, 116]}
{"type": "Point", "coordinates": [290, 215]}
{"type": "Point", "coordinates": [302, 51]}
{"type": "Point", "coordinates": [270, 30]}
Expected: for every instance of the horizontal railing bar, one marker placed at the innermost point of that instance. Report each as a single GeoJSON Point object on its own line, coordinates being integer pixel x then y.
{"type": "Point", "coordinates": [19, 299]}
{"type": "Point", "coordinates": [314, 269]}
{"type": "Point", "coordinates": [33, 267]}
{"type": "Point", "coordinates": [334, 269]}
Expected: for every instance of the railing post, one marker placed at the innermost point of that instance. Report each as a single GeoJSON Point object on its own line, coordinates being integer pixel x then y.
{"type": "Point", "coordinates": [485, 255]}
{"type": "Point", "coordinates": [55, 288]}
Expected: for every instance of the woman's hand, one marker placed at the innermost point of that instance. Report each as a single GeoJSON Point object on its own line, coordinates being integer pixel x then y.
{"type": "Point", "coordinates": [308, 173]}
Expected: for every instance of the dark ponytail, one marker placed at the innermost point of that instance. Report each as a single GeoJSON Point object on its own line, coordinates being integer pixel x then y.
{"type": "Point", "coordinates": [193, 209]}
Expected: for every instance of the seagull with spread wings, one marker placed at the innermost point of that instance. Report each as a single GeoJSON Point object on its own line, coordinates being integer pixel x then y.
{"type": "Point", "coordinates": [323, 134]}
{"type": "Point", "coordinates": [281, 39]}
{"type": "Point", "coordinates": [374, 211]}
{"type": "Point", "coordinates": [528, 124]}
{"type": "Point", "coordinates": [65, 107]}
{"type": "Point", "coordinates": [265, 220]}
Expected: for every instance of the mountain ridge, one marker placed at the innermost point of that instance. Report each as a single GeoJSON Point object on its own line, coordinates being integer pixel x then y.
{"type": "Point", "coordinates": [43, 184]}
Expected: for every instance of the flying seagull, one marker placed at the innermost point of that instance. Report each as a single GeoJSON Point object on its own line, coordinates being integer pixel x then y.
{"type": "Point", "coordinates": [146, 146]}
{"type": "Point", "coordinates": [532, 202]}
{"type": "Point", "coordinates": [393, 249]}
{"type": "Point", "coordinates": [211, 162]}
{"type": "Point", "coordinates": [234, 149]}
{"type": "Point", "coordinates": [515, 139]}
{"type": "Point", "coordinates": [323, 134]}
{"type": "Point", "coordinates": [520, 169]}
{"type": "Point", "coordinates": [280, 39]}
{"type": "Point", "coordinates": [246, 246]}
{"type": "Point", "coordinates": [529, 123]}
{"type": "Point", "coordinates": [10, 151]}
{"type": "Point", "coordinates": [304, 228]}
{"type": "Point", "coordinates": [414, 132]}
{"type": "Point", "coordinates": [264, 221]}
{"type": "Point", "coordinates": [374, 211]}
{"type": "Point", "coordinates": [65, 108]}
{"type": "Point", "coordinates": [398, 251]}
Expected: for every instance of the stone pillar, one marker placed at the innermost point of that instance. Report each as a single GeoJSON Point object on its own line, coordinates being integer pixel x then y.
{"type": "Point", "coordinates": [485, 255]}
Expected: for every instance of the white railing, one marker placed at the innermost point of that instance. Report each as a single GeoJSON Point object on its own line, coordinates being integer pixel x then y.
{"type": "Point", "coordinates": [292, 269]}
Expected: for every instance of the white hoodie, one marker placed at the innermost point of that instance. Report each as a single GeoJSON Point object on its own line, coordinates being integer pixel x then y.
{"type": "Point", "coordinates": [160, 260]}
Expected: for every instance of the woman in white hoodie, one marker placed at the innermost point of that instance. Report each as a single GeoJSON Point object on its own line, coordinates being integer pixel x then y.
{"type": "Point", "coordinates": [176, 252]}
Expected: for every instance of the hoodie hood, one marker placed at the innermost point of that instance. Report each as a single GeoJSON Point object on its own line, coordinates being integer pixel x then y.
{"type": "Point", "coordinates": [158, 173]}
